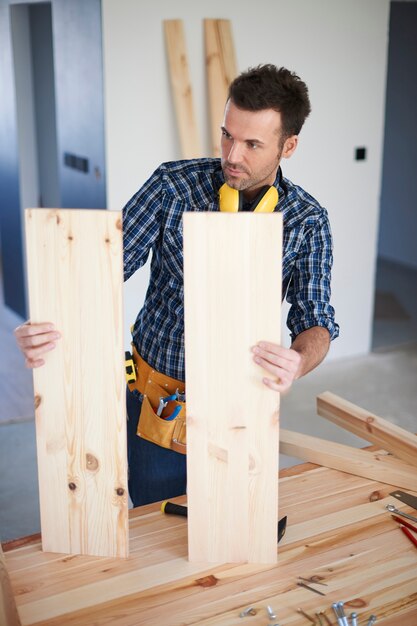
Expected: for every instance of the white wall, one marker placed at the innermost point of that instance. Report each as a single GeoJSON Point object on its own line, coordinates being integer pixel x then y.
{"type": "Point", "coordinates": [339, 47]}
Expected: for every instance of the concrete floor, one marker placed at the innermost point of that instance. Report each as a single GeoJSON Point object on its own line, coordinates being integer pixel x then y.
{"type": "Point", "coordinates": [383, 382]}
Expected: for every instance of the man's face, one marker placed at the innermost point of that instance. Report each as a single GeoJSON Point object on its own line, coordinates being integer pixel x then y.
{"type": "Point", "coordinates": [252, 148]}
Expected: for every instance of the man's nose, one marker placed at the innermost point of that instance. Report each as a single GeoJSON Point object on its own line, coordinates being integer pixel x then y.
{"type": "Point", "coordinates": [235, 153]}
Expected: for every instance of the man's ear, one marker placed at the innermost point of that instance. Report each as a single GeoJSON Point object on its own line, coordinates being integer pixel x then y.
{"type": "Point", "coordinates": [290, 145]}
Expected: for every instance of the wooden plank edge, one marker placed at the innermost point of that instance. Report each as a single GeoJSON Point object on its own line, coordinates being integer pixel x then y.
{"type": "Point", "coordinates": [8, 610]}
{"type": "Point", "coordinates": [369, 426]}
{"type": "Point", "coordinates": [363, 463]}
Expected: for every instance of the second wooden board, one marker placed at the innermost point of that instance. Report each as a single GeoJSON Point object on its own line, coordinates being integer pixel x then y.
{"type": "Point", "coordinates": [232, 282]}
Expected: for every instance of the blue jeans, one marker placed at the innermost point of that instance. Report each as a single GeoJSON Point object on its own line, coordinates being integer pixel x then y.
{"type": "Point", "coordinates": [155, 473]}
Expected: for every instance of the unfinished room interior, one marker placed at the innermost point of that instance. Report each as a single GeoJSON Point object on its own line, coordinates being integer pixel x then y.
{"type": "Point", "coordinates": [95, 96]}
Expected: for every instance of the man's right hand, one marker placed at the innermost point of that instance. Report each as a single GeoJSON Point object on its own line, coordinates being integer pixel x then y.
{"type": "Point", "coordinates": [35, 340]}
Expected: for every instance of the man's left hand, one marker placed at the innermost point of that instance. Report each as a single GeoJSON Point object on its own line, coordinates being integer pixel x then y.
{"type": "Point", "coordinates": [282, 363]}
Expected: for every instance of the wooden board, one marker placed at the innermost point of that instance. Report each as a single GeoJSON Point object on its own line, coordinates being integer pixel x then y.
{"type": "Point", "coordinates": [181, 89]}
{"type": "Point", "coordinates": [75, 281]}
{"type": "Point", "coordinates": [338, 528]}
{"type": "Point", "coordinates": [221, 69]}
{"type": "Point", "coordinates": [374, 465]}
{"type": "Point", "coordinates": [232, 289]}
{"type": "Point", "coordinates": [8, 611]}
{"type": "Point", "coordinates": [370, 427]}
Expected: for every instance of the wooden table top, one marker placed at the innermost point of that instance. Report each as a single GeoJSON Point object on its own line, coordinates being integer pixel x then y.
{"type": "Point", "coordinates": [338, 529]}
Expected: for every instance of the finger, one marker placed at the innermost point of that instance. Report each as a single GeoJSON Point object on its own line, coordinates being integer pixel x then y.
{"type": "Point", "coordinates": [32, 364]}
{"type": "Point", "coordinates": [274, 352]}
{"type": "Point", "coordinates": [277, 385]}
{"type": "Point", "coordinates": [27, 329]}
{"type": "Point", "coordinates": [37, 340]}
{"type": "Point", "coordinates": [35, 353]}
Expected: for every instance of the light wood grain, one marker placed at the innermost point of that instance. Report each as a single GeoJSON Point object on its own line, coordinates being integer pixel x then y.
{"type": "Point", "coordinates": [373, 465]}
{"type": "Point", "coordinates": [370, 427]}
{"type": "Point", "coordinates": [8, 611]}
{"type": "Point", "coordinates": [181, 89]}
{"type": "Point", "coordinates": [338, 528]}
{"type": "Point", "coordinates": [221, 69]}
{"type": "Point", "coordinates": [75, 281]}
{"type": "Point", "coordinates": [232, 282]}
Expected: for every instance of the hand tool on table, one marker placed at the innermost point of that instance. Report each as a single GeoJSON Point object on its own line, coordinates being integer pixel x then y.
{"type": "Point", "coordinates": [409, 534]}
{"type": "Point", "coordinates": [406, 498]}
{"type": "Point", "coordinates": [170, 508]}
{"type": "Point", "coordinates": [403, 522]}
{"type": "Point", "coordinates": [392, 509]}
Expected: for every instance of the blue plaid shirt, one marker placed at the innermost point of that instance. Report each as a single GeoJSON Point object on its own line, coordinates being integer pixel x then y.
{"type": "Point", "coordinates": [152, 220]}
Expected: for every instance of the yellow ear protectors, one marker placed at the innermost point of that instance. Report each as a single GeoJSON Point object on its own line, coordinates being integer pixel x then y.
{"type": "Point", "coordinates": [232, 200]}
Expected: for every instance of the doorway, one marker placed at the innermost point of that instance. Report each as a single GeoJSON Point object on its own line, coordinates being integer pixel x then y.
{"type": "Point", "coordinates": [395, 311]}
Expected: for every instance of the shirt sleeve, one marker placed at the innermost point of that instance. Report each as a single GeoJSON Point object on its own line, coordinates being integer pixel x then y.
{"type": "Point", "coordinates": [309, 289]}
{"type": "Point", "coordinates": [141, 223]}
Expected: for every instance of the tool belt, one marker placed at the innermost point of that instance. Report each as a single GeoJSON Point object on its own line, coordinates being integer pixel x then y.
{"type": "Point", "coordinates": [154, 386]}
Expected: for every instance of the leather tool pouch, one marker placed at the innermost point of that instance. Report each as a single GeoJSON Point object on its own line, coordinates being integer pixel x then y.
{"type": "Point", "coordinates": [169, 434]}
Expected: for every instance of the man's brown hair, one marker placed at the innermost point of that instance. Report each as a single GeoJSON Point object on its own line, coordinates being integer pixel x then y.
{"type": "Point", "coordinates": [269, 87]}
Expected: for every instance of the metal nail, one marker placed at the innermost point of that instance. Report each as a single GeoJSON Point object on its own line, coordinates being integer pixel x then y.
{"type": "Point", "coordinates": [372, 620]}
{"type": "Point", "coordinates": [319, 618]}
{"type": "Point", "coordinates": [306, 615]}
{"type": "Point", "coordinates": [271, 613]}
{"type": "Point", "coordinates": [354, 619]}
{"type": "Point", "coordinates": [249, 611]}
{"type": "Point", "coordinates": [310, 588]}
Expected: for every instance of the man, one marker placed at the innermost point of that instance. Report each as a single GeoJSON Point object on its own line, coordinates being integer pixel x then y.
{"type": "Point", "coordinates": [264, 114]}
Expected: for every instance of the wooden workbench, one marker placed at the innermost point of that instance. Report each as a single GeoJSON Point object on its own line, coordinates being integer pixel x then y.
{"type": "Point", "coordinates": [338, 529]}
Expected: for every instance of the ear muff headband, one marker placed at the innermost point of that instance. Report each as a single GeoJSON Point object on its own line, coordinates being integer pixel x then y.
{"type": "Point", "coordinates": [231, 200]}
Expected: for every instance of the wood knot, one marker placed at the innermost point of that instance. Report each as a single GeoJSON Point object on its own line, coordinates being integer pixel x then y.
{"type": "Point", "coordinates": [38, 400]}
{"type": "Point", "coordinates": [70, 237]}
{"type": "Point", "coordinates": [374, 496]}
{"type": "Point", "coordinates": [369, 421]}
{"type": "Point", "coordinates": [356, 603]}
{"type": "Point", "coordinates": [119, 224]}
{"type": "Point", "coordinates": [107, 240]}
{"type": "Point", "coordinates": [207, 581]}
{"type": "Point", "coordinates": [91, 462]}
{"type": "Point", "coordinates": [72, 486]}
{"type": "Point", "coordinates": [120, 491]}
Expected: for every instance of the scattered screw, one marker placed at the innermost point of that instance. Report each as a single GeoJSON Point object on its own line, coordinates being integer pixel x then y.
{"type": "Point", "coordinates": [335, 607]}
{"type": "Point", "coordinates": [271, 613]}
{"type": "Point", "coordinates": [249, 611]}
{"type": "Point", "coordinates": [354, 619]}
{"type": "Point", "coordinates": [372, 620]}
{"type": "Point", "coordinates": [342, 615]}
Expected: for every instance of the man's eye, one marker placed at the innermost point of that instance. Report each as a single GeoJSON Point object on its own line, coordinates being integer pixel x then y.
{"type": "Point", "coordinates": [226, 134]}
{"type": "Point", "coordinates": [252, 145]}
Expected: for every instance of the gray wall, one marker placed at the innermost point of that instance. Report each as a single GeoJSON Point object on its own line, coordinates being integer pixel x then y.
{"type": "Point", "coordinates": [67, 105]}
{"type": "Point", "coordinates": [398, 219]}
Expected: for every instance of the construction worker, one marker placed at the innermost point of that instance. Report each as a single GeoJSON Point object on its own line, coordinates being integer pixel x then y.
{"type": "Point", "coordinates": [264, 114]}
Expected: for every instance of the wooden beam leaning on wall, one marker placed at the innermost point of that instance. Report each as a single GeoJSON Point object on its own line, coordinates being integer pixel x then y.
{"type": "Point", "coordinates": [373, 465]}
{"type": "Point", "coordinates": [232, 278]}
{"type": "Point", "coordinates": [8, 610]}
{"type": "Point", "coordinates": [75, 276]}
{"type": "Point", "coordinates": [221, 69]}
{"type": "Point", "coordinates": [368, 426]}
{"type": "Point", "coordinates": [181, 89]}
